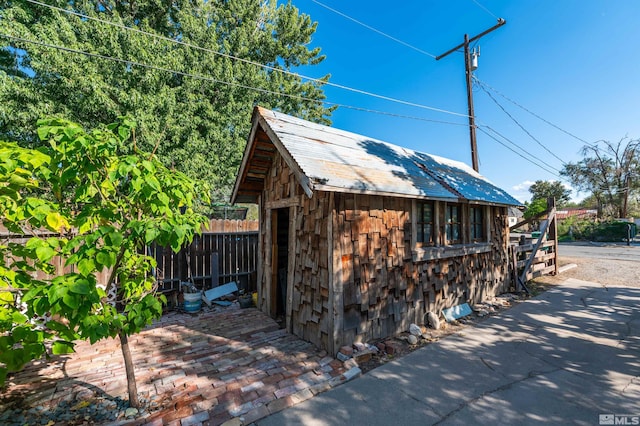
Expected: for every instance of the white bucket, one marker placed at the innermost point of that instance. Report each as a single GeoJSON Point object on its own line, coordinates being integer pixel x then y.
{"type": "Point", "coordinates": [192, 301]}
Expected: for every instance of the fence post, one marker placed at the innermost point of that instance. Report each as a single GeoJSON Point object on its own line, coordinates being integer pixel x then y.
{"type": "Point", "coordinates": [553, 231]}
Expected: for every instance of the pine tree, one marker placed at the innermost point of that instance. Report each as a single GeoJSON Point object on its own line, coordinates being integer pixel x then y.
{"type": "Point", "coordinates": [195, 119]}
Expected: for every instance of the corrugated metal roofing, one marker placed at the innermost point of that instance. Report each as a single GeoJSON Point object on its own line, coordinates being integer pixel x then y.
{"type": "Point", "coordinates": [338, 160]}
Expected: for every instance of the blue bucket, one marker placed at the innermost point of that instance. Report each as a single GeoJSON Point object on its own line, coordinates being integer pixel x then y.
{"type": "Point", "coordinates": [192, 301]}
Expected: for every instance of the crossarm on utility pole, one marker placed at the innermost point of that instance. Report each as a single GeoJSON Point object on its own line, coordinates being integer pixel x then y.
{"type": "Point", "coordinates": [500, 23]}
{"type": "Point", "coordinates": [468, 77]}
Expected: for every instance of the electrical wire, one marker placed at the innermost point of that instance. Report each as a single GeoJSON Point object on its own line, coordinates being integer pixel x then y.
{"type": "Point", "coordinates": [485, 9]}
{"type": "Point", "coordinates": [482, 83]}
{"type": "Point", "coordinates": [271, 68]}
{"type": "Point", "coordinates": [375, 30]}
{"type": "Point", "coordinates": [544, 166]}
{"type": "Point", "coordinates": [224, 82]}
{"type": "Point", "coordinates": [153, 67]}
{"type": "Point", "coordinates": [520, 125]}
{"type": "Point", "coordinates": [529, 156]}
{"type": "Point", "coordinates": [266, 91]}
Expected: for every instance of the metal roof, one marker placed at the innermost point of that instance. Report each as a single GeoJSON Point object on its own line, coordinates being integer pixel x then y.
{"type": "Point", "coordinates": [329, 159]}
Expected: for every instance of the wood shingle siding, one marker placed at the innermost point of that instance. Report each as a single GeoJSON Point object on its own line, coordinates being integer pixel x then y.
{"type": "Point", "coordinates": [338, 257]}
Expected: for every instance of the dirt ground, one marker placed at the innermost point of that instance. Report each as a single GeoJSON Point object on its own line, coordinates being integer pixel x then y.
{"type": "Point", "coordinates": [605, 272]}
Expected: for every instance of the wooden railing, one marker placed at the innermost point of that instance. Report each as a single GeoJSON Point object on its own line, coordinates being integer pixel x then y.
{"type": "Point", "coordinates": [534, 257]}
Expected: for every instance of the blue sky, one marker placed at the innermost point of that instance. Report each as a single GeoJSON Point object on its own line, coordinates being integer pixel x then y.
{"type": "Point", "coordinates": [574, 63]}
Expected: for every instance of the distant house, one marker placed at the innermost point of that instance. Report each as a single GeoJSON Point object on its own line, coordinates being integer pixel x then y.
{"type": "Point", "coordinates": [577, 213]}
{"type": "Point", "coordinates": [360, 238]}
{"type": "Point", "coordinates": [515, 216]}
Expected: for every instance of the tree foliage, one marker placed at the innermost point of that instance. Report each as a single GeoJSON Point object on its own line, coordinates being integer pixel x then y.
{"type": "Point", "coordinates": [94, 202]}
{"type": "Point", "coordinates": [543, 189]}
{"type": "Point", "coordinates": [610, 172]}
{"type": "Point", "coordinates": [536, 208]}
{"type": "Point", "coordinates": [196, 116]}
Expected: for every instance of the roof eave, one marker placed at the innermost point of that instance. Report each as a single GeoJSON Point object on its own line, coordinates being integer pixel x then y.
{"type": "Point", "coordinates": [245, 157]}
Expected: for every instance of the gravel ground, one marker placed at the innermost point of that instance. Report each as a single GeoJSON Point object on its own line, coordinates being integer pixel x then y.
{"type": "Point", "coordinates": [606, 272]}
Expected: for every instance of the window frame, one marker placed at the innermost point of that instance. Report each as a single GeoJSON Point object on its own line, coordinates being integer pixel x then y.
{"type": "Point", "coordinates": [420, 224]}
{"type": "Point", "coordinates": [441, 248]}
{"type": "Point", "coordinates": [475, 225]}
{"type": "Point", "coordinates": [450, 226]}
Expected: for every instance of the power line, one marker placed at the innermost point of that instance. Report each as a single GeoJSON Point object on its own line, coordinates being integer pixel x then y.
{"type": "Point", "coordinates": [153, 67]}
{"type": "Point", "coordinates": [482, 83]}
{"type": "Point", "coordinates": [224, 82]}
{"type": "Point", "coordinates": [520, 125]}
{"type": "Point", "coordinates": [391, 114]}
{"type": "Point", "coordinates": [369, 27]}
{"type": "Point", "coordinates": [485, 9]}
{"type": "Point", "coordinates": [544, 166]}
{"type": "Point", "coordinates": [529, 156]}
{"type": "Point", "coordinates": [271, 68]}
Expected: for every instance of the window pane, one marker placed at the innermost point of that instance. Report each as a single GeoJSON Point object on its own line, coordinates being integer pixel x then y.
{"type": "Point", "coordinates": [477, 223]}
{"type": "Point", "coordinates": [426, 213]}
{"type": "Point", "coordinates": [427, 234]}
{"type": "Point", "coordinates": [424, 221]}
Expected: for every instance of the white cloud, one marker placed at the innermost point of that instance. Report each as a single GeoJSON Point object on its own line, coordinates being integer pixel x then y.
{"type": "Point", "coordinates": [521, 191]}
{"type": "Point", "coordinates": [523, 186]}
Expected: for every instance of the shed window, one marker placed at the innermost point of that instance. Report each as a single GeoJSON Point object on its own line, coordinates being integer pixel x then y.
{"type": "Point", "coordinates": [477, 224]}
{"type": "Point", "coordinates": [425, 223]}
{"type": "Point", "coordinates": [453, 224]}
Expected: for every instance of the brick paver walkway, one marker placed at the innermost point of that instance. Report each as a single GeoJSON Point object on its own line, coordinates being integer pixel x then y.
{"type": "Point", "coordinates": [230, 364]}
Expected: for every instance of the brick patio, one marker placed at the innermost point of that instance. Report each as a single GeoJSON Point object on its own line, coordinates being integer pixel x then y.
{"type": "Point", "coordinates": [227, 364]}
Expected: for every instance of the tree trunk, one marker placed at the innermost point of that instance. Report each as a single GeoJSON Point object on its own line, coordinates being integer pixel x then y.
{"type": "Point", "coordinates": [128, 366]}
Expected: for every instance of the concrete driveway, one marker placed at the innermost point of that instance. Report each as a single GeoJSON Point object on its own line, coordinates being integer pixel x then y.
{"type": "Point", "coordinates": [565, 357]}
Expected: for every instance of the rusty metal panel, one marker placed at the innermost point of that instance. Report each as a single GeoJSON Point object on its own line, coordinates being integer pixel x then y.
{"type": "Point", "coordinates": [337, 160]}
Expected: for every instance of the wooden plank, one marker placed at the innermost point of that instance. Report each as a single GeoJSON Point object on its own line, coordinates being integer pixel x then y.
{"type": "Point", "coordinates": [514, 268]}
{"type": "Point", "coordinates": [268, 259]}
{"type": "Point", "coordinates": [284, 202]}
{"type": "Point", "coordinates": [293, 215]}
{"type": "Point", "coordinates": [337, 302]}
{"type": "Point", "coordinates": [215, 272]}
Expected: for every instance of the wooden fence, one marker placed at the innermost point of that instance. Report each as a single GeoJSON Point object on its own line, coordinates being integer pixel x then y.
{"type": "Point", "coordinates": [231, 226]}
{"type": "Point", "coordinates": [534, 256]}
{"type": "Point", "coordinates": [211, 259]}
{"type": "Point", "coordinates": [226, 252]}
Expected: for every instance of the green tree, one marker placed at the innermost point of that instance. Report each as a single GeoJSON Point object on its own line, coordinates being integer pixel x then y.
{"type": "Point", "coordinates": [535, 208]}
{"type": "Point", "coordinates": [543, 189]}
{"type": "Point", "coordinates": [95, 203]}
{"type": "Point", "coordinates": [196, 117]}
{"type": "Point", "coordinates": [610, 172]}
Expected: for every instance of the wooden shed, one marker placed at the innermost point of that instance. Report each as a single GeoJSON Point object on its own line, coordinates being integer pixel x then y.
{"type": "Point", "coordinates": [360, 238]}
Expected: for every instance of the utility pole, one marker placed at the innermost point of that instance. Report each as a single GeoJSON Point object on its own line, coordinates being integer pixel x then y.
{"type": "Point", "coordinates": [469, 70]}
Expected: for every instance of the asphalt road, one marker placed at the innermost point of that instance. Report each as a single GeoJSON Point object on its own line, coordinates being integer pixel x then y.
{"type": "Point", "coordinates": [611, 251]}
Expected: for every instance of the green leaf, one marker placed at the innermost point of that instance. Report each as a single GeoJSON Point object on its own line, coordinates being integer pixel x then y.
{"type": "Point", "coordinates": [18, 318]}
{"type": "Point", "coordinates": [105, 258]}
{"type": "Point", "coordinates": [45, 253]}
{"type": "Point", "coordinates": [62, 329]}
{"type": "Point", "coordinates": [151, 234]}
{"type": "Point", "coordinates": [57, 292]}
{"type": "Point", "coordinates": [43, 132]}
{"type": "Point", "coordinates": [3, 375]}
{"type": "Point", "coordinates": [80, 287]}
{"type": "Point", "coordinates": [61, 347]}
{"type": "Point", "coordinates": [87, 266]}
{"type": "Point", "coordinates": [71, 301]}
